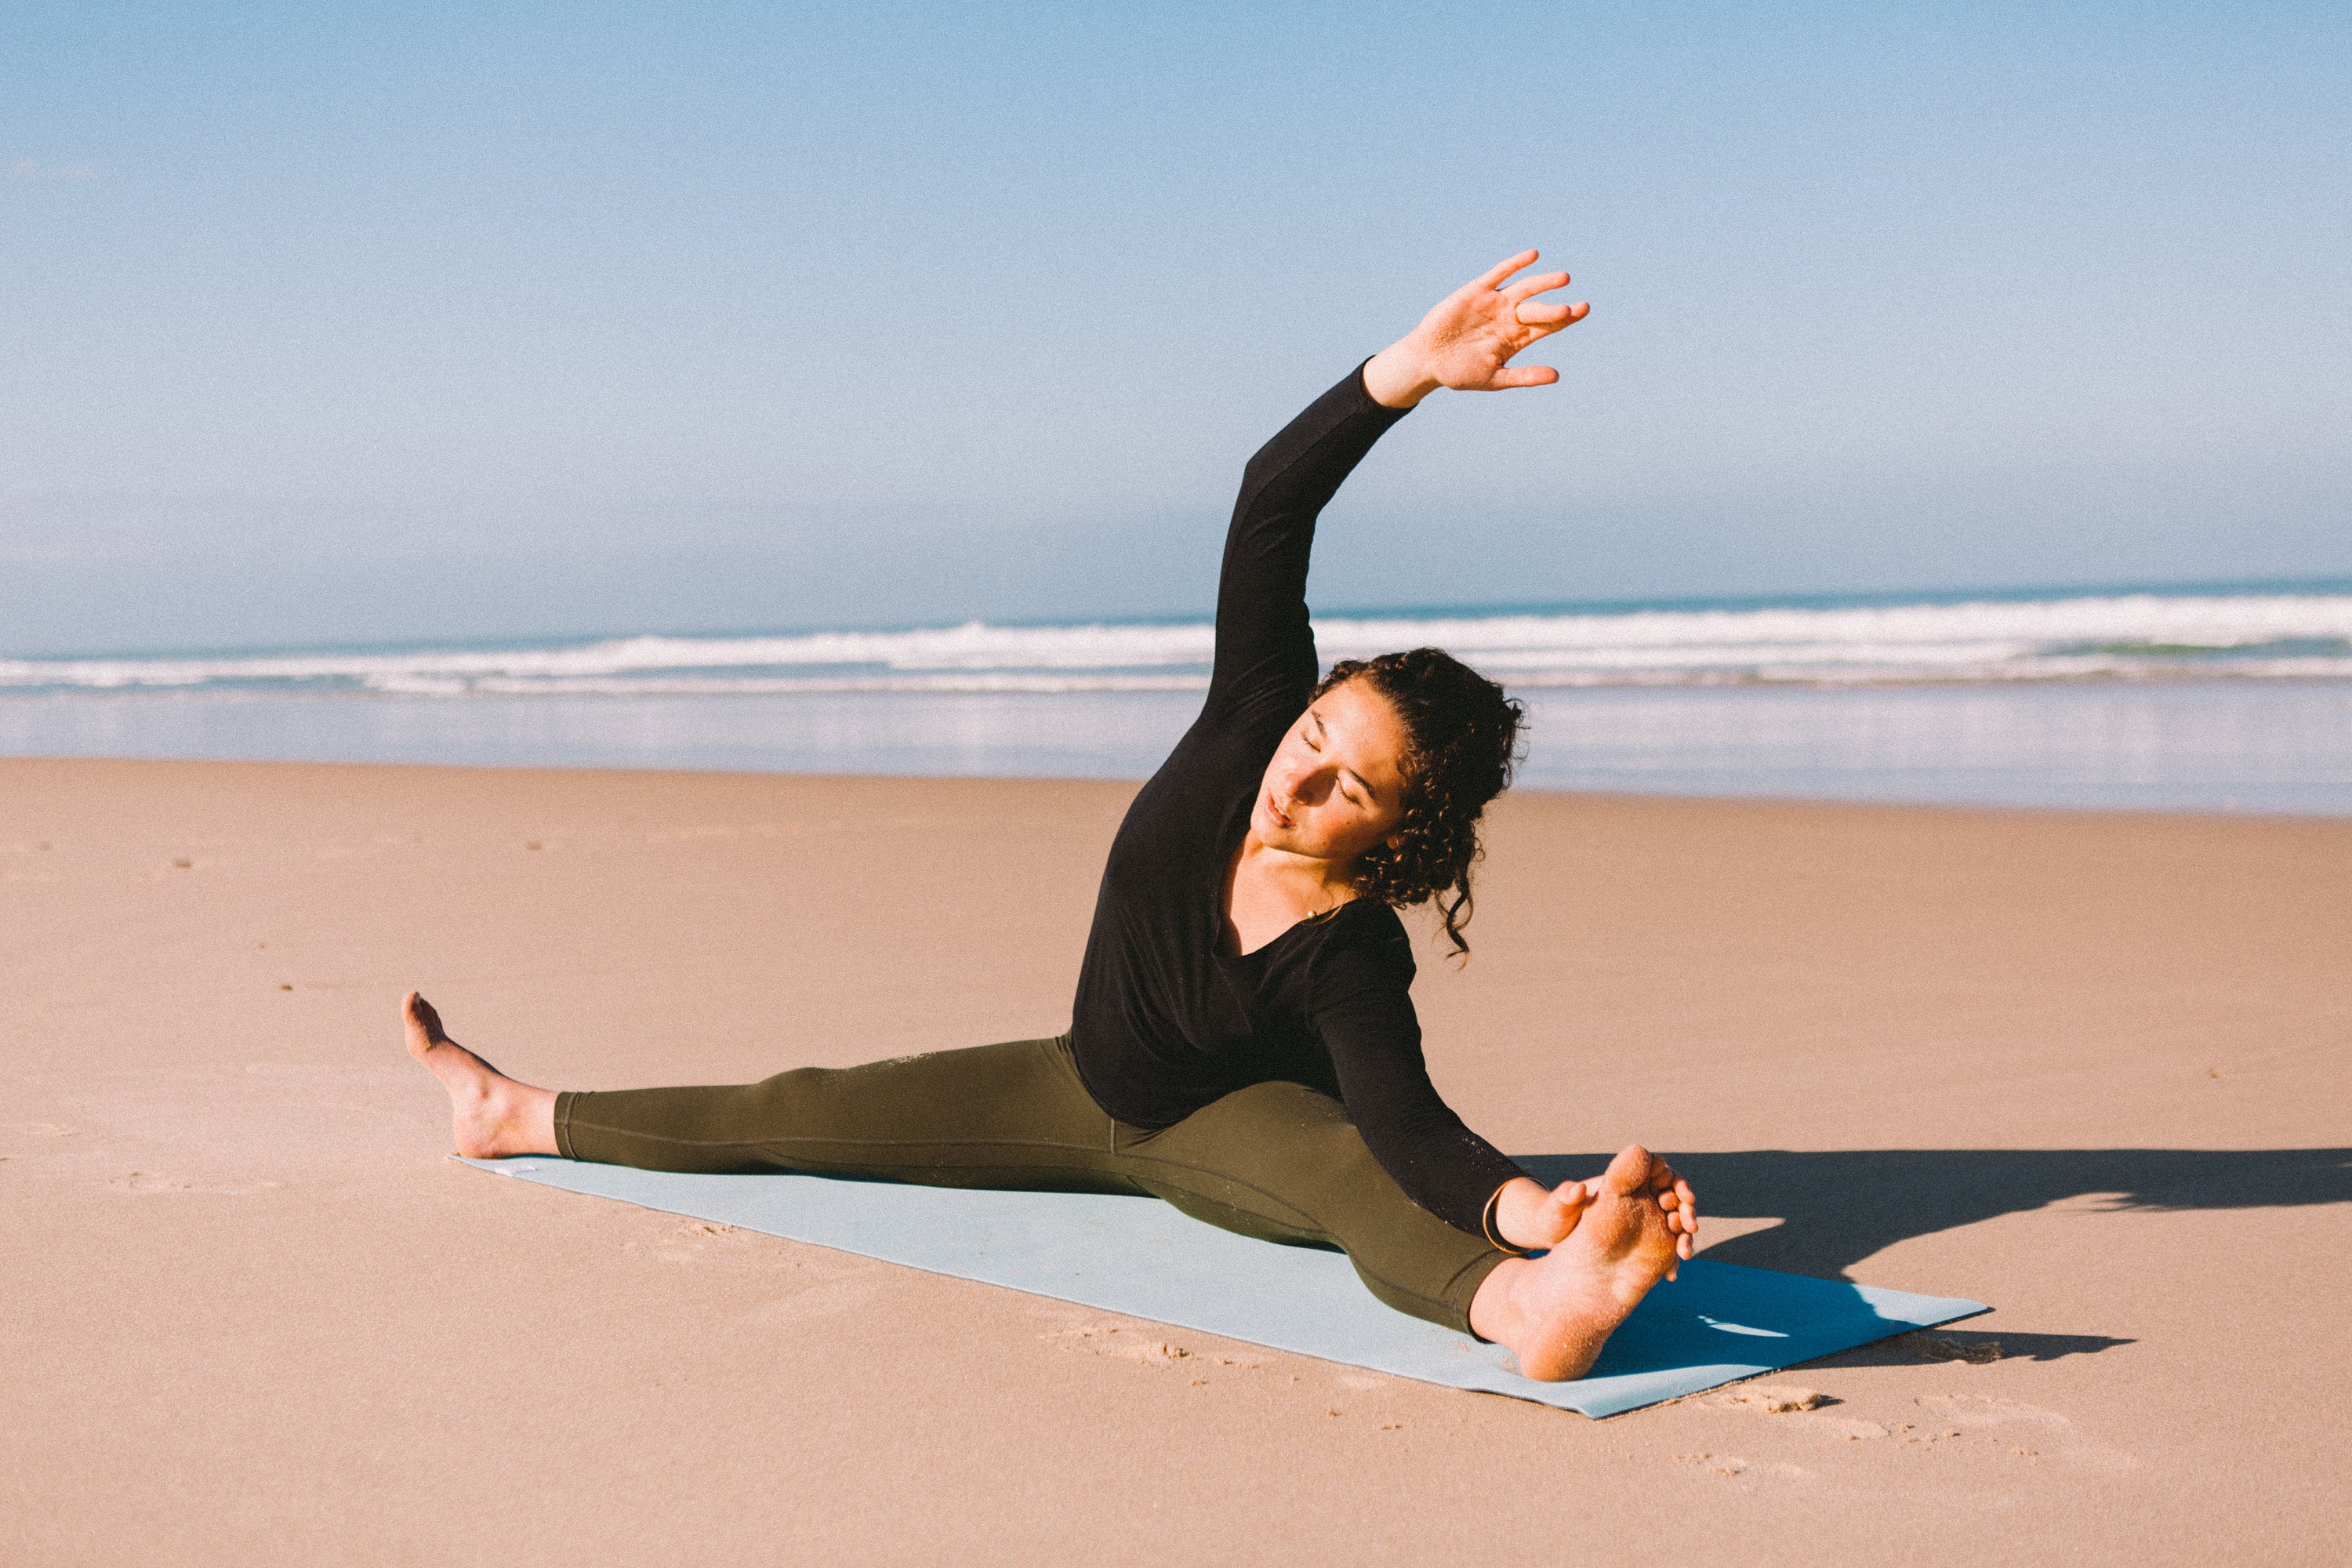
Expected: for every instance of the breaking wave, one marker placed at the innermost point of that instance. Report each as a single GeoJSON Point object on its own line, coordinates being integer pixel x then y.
{"type": "Point", "coordinates": [2184, 635]}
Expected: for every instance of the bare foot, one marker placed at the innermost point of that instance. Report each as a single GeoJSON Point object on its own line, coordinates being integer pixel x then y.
{"type": "Point", "coordinates": [490, 1114]}
{"type": "Point", "coordinates": [1556, 1311]}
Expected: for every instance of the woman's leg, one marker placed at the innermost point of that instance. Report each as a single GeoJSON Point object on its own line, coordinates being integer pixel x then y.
{"type": "Point", "coordinates": [1013, 1115]}
{"type": "Point", "coordinates": [1283, 1163]}
{"type": "Point", "coordinates": [1008, 1116]}
{"type": "Point", "coordinates": [1276, 1161]}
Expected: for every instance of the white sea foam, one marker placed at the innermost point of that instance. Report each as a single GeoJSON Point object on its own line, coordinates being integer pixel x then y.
{"type": "Point", "coordinates": [2249, 636]}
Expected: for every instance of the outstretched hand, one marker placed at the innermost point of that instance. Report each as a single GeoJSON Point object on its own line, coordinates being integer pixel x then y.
{"type": "Point", "coordinates": [1467, 339]}
{"type": "Point", "coordinates": [1528, 1214]}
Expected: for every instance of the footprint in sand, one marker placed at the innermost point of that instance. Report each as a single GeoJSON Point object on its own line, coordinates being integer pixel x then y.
{"type": "Point", "coordinates": [1984, 1410]}
{"type": "Point", "coordinates": [1144, 1346]}
{"type": "Point", "coordinates": [692, 1239]}
{"type": "Point", "coordinates": [150, 1182]}
{"type": "Point", "coordinates": [1971, 1411]}
{"type": "Point", "coordinates": [1769, 1399]}
{"type": "Point", "coordinates": [1794, 1407]}
{"type": "Point", "coordinates": [1111, 1339]}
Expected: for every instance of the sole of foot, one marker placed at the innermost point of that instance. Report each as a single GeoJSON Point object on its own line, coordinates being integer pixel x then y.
{"type": "Point", "coordinates": [1572, 1299]}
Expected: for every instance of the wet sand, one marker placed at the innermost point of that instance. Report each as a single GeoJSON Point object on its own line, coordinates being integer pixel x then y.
{"type": "Point", "coordinates": [2094, 1069]}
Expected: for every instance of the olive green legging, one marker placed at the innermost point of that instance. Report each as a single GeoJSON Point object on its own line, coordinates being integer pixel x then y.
{"type": "Point", "coordinates": [1276, 1161]}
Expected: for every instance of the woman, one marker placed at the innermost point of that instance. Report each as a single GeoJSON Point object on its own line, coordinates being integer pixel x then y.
{"type": "Point", "coordinates": [1243, 1043]}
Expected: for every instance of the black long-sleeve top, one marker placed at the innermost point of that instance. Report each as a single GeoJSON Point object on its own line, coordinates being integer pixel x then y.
{"type": "Point", "coordinates": [1166, 1020]}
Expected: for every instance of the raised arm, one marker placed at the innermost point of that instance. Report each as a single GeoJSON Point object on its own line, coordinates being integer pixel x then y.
{"type": "Point", "coordinates": [1265, 650]}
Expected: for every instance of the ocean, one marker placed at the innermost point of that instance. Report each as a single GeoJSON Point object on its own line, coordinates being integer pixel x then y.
{"type": "Point", "coordinates": [2229, 698]}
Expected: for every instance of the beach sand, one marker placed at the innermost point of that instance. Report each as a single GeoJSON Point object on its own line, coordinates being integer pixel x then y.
{"type": "Point", "coordinates": [2096, 1071]}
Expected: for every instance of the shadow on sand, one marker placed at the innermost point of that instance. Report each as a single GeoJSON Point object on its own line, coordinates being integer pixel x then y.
{"type": "Point", "coordinates": [1842, 1206]}
{"type": "Point", "coordinates": [1906, 1350]}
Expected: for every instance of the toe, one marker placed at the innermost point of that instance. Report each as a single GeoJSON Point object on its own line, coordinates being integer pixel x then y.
{"type": "Point", "coordinates": [420, 1013]}
{"type": "Point", "coordinates": [1629, 1172]}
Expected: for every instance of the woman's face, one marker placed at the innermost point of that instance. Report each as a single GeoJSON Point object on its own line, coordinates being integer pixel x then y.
{"type": "Point", "coordinates": [1335, 785]}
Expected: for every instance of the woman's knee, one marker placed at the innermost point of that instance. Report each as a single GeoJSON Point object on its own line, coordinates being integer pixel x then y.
{"type": "Point", "coordinates": [1310, 1127]}
{"type": "Point", "coordinates": [1277, 1108]}
{"type": "Point", "coordinates": [1008, 1094]}
{"type": "Point", "coordinates": [1293, 1144]}
{"type": "Point", "coordinates": [787, 1105]}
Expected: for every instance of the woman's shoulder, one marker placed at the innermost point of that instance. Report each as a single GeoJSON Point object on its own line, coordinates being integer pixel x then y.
{"type": "Point", "coordinates": [1370, 919]}
{"type": "Point", "coordinates": [1188, 801]}
{"type": "Point", "coordinates": [1365, 937]}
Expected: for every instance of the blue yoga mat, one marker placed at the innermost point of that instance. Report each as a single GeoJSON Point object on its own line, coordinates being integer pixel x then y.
{"type": "Point", "coordinates": [1719, 1323]}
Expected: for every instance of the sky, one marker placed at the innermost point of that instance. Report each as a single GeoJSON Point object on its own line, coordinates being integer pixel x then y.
{"type": "Point", "coordinates": [354, 323]}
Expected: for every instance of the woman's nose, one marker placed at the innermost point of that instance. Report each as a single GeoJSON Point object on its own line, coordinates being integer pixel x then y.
{"type": "Point", "coordinates": [1305, 785]}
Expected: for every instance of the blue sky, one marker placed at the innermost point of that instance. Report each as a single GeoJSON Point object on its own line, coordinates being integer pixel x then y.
{"type": "Point", "coordinates": [351, 323]}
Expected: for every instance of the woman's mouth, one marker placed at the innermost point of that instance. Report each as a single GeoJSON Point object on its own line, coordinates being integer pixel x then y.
{"type": "Point", "coordinates": [1281, 818]}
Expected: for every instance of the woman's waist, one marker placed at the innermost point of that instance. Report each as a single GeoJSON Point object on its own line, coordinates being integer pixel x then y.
{"type": "Point", "coordinates": [1156, 1081]}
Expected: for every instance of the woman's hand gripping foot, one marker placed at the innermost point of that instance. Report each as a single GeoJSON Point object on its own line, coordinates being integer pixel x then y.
{"type": "Point", "coordinates": [490, 1115]}
{"type": "Point", "coordinates": [1530, 1215]}
{"type": "Point", "coordinates": [1629, 1228]}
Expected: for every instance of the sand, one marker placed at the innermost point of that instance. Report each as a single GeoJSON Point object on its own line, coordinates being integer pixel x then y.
{"type": "Point", "coordinates": [2091, 1069]}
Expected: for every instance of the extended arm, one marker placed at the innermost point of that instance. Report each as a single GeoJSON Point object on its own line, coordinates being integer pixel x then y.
{"type": "Point", "coordinates": [1369, 1026]}
{"type": "Point", "coordinates": [1445, 1167]}
{"type": "Point", "coordinates": [1363, 1012]}
{"type": "Point", "coordinates": [1266, 651]}
{"type": "Point", "coordinates": [1266, 647]}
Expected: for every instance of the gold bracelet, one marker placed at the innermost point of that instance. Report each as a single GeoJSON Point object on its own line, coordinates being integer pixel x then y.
{"type": "Point", "coordinates": [1487, 1224]}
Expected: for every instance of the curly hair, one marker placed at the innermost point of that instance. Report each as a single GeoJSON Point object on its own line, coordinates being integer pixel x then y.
{"type": "Point", "coordinates": [1462, 737]}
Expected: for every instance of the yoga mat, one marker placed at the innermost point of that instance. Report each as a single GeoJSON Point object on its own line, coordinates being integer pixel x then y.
{"type": "Point", "coordinates": [1718, 1323]}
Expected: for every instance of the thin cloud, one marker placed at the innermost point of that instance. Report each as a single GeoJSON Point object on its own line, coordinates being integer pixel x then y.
{"type": "Point", "coordinates": [34, 169]}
